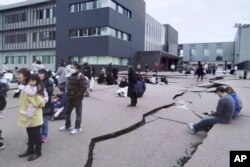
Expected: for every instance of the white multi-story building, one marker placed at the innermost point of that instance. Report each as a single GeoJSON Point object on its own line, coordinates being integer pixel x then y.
{"type": "Point", "coordinates": [154, 34]}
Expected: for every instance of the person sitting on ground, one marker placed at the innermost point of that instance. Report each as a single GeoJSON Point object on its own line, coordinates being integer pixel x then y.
{"type": "Point", "coordinates": [223, 114]}
{"type": "Point", "coordinates": [101, 79]}
{"type": "Point", "coordinates": [153, 80]}
{"type": "Point", "coordinates": [59, 104]}
{"type": "Point", "coordinates": [140, 86]}
{"type": "Point", "coordinates": [238, 103]}
{"type": "Point", "coordinates": [122, 91]}
{"type": "Point", "coordinates": [110, 79]}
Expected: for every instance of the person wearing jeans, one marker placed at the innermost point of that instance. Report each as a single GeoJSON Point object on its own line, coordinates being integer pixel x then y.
{"type": "Point", "coordinates": [223, 114]}
{"type": "Point", "coordinates": [47, 110]}
{"type": "Point", "coordinates": [76, 87]}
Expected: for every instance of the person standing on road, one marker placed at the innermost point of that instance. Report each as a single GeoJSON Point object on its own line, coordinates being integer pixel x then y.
{"type": "Point", "coordinates": [132, 81]}
{"type": "Point", "coordinates": [5, 68]}
{"type": "Point", "coordinates": [172, 67]}
{"type": "Point", "coordinates": [86, 71]}
{"type": "Point", "coordinates": [200, 72]}
{"type": "Point", "coordinates": [115, 72]}
{"type": "Point", "coordinates": [48, 84]}
{"type": "Point", "coordinates": [3, 104]}
{"type": "Point", "coordinates": [213, 67]}
{"type": "Point", "coordinates": [32, 99]}
{"type": "Point", "coordinates": [138, 68]}
{"type": "Point", "coordinates": [76, 87]}
{"type": "Point", "coordinates": [156, 68]}
{"type": "Point", "coordinates": [61, 72]}
{"type": "Point", "coordinates": [223, 114]}
{"type": "Point", "coordinates": [146, 68]}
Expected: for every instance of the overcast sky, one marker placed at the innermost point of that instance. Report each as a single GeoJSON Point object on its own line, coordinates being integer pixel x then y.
{"type": "Point", "coordinates": [198, 20]}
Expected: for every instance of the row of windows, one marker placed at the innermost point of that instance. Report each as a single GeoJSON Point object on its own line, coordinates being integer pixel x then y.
{"type": "Point", "coordinates": [16, 59]}
{"type": "Point", "coordinates": [15, 18]}
{"type": "Point", "coordinates": [44, 13]}
{"type": "Point", "coordinates": [17, 38]}
{"type": "Point", "coordinates": [122, 10]}
{"type": "Point", "coordinates": [95, 4]}
{"type": "Point", "coordinates": [219, 52]}
{"type": "Point", "coordinates": [206, 45]}
{"type": "Point", "coordinates": [38, 15]}
{"type": "Point", "coordinates": [44, 36]}
{"type": "Point", "coordinates": [45, 59]}
{"type": "Point", "coordinates": [103, 31]}
{"type": "Point", "coordinates": [101, 60]}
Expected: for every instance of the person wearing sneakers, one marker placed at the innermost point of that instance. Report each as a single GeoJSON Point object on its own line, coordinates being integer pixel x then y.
{"type": "Point", "coordinates": [224, 112]}
{"type": "Point", "coordinates": [75, 89]}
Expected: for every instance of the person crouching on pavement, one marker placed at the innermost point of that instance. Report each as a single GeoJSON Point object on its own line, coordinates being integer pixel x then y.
{"type": "Point", "coordinates": [76, 87]}
{"type": "Point", "coordinates": [223, 114]}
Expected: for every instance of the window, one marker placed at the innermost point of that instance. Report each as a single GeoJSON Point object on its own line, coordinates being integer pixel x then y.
{"type": "Point", "coordinates": [73, 33]}
{"type": "Point", "coordinates": [34, 37]}
{"type": "Point", "coordinates": [90, 5]}
{"type": "Point", "coordinates": [192, 52]}
{"type": "Point", "coordinates": [16, 59]}
{"type": "Point", "coordinates": [88, 32]}
{"type": "Point", "coordinates": [219, 52]}
{"type": "Point", "coordinates": [18, 38]}
{"type": "Point", "coordinates": [15, 18]}
{"type": "Point", "coordinates": [83, 6]}
{"type": "Point", "coordinates": [47, 35]}
{"type": "Point", "coordinates": [45, 59]}
{"type": "Point", "coordinates": [205, 52]}
{"type": "Point", "coordinates": [47, 13]}
{"type": "Point", "coordinates": [94, 4]}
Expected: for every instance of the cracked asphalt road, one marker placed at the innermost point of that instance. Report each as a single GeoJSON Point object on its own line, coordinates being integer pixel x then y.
{"type": "Point", "coordinates": [159, 143]}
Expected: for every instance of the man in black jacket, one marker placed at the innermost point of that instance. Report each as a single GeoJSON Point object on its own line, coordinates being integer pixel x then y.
{"type": "Point", "coordinates": [47, 110]}
{"type": "Point", "coordinates": [76, 87]}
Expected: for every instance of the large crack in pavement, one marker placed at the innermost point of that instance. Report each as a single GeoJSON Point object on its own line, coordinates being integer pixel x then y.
{"type": "Point", "coordinates": [137, 125]}
{"type": "Point", "coordinates": [127, 130]}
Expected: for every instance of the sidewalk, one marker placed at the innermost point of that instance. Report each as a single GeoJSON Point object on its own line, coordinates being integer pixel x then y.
{"type": "Point", "coordinates": [214, 151]}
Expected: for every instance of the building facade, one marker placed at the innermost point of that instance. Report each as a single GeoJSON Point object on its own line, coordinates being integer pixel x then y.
{"type": "Point", "coordinates": [100, 31]}
{"type": "Point", "coordinates": [154, 34]}
{"type": "Point", "coordinates": [220, 53]}
{"type": "Point", "coordinates": [242, 47]}
{"type": "Point", "coordinates": [27, 33]}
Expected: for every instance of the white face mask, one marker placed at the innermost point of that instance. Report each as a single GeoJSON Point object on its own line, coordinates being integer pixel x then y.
{"type": "Point", "coordinates": [72, 71]}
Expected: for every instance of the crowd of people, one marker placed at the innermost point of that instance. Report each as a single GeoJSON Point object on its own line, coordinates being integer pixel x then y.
{"type": "Point", "coordinates": [40, 102]}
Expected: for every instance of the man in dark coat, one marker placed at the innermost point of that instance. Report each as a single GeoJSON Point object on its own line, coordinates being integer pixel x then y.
{"type": "Point", "coordinates": [86, 71]}
{"type": "Point", "coordinates": [132, 80]}
{"type": "Point", "coordinates": [76, 87]}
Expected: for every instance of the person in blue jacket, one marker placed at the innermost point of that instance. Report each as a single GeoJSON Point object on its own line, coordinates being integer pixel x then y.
{"type": "Point", "coordinates": [238, 103]}
{"type": "Point", "coordinates": [59, 104]}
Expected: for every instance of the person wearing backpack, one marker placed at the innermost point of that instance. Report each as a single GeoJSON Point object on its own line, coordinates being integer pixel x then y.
{"type": "Point", "coordinates": [76, 87]}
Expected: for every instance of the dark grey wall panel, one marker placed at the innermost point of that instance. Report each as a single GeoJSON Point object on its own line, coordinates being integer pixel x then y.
{"type": "Point", "coordinates": [105, 17]}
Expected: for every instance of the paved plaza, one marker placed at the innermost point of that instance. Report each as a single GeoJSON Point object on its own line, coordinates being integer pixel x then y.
{"type": "Point", "coordinates": [154, 134]}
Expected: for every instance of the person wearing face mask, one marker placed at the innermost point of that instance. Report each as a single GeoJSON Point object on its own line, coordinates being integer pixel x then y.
{"type": "Point", "coordinates": [76, 87]}
{"type": "Point", "coordinates": [224, 112]}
